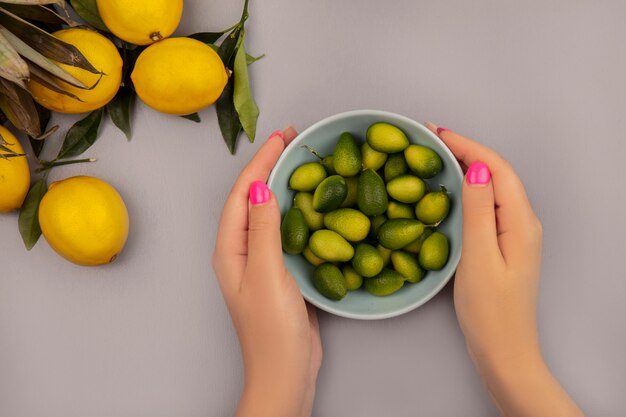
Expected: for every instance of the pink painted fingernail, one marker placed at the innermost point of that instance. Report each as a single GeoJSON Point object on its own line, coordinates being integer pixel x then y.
{"type": "Point", "coordinates": [278, 133]}
{"type": "Point", "coordinates": [478, 174]}
{"type": "Point", "coordinates": [442, 129]}
{"type": "Point", "coordinates": [259, 193]}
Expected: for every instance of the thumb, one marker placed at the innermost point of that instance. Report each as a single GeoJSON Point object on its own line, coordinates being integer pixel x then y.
{"type": "Point", "coordinates": [479, 215]}
{"type": "Point", "coordinates": [264, 243]}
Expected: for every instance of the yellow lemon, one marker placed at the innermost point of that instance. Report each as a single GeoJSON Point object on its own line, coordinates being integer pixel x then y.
{"type": "Point", "coordinates": [84, 219]}
{"type": "Point", "coordinates": [141, 22]}
{"type": "Point", "coordinates": [103, 55]}
{"type": "Point", "coordinates": [14, 175]}
{"type": "Point", "coordinates": [179, 76]}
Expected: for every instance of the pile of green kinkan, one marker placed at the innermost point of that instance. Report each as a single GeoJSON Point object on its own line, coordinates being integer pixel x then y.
{"type": "Point", "coordinates": [364, 216]}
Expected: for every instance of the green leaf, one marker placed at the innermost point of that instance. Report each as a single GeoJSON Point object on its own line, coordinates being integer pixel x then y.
{"type": "Point", "coordinates": [245, 105]}
{"type": "Point", "coordinates": [194, 117]}
{"type": "Point", "coordinates": [120, 110]}
{"type": "Point", "coordinates": [207, 37]}
{"type": "Point", "coordinates": [81, 135]}
{"type": "Point", "coordinates": [28, 221]}
{"type": "Point", "coordinates": [228, 47]}
{"type": "Point", "coordinates": [252, 59]}
{"type": "Point", "coordinates": [129, 56]}
{"type": "Point", "coordinates": [227, 116]}
{"type": "Point", "coordinates": [88, 10]}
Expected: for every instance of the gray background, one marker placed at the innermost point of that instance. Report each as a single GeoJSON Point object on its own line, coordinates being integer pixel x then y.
{"type": "Point", "coordinates": [542, 82]}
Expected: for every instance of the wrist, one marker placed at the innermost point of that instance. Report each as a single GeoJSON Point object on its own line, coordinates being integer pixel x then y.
{"type": "Point", "coordinates": [523, 386]}
{"type": "Point", "coordinates": [506, 368]}
{"type": "Point", "coordinates": [279, 393]}
{"type": "Point", "coordinates": [499, 358]}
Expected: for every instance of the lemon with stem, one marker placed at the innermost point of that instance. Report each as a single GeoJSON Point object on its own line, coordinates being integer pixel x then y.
{"type": "Point", "coordinates": [179, 76]}
{"type": "Point", "coordinates": [85, 220]}
{"type": "Point", "coordinates": [141, 22]}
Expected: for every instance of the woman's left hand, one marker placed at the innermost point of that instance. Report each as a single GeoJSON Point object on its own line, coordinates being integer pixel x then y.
{"type": "Point", "coordinates": [278, 331]}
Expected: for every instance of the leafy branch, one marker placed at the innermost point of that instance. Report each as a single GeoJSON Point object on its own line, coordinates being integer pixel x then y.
{"type": "Point", "coordinates": [236, 109]}
{"type": "Point", "coordinates": [30, 51]}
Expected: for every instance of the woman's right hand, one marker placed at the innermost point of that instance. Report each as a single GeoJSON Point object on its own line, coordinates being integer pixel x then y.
{"type": "Point", "coordinates": [495, 290]}
{"type": "Point", "coordinates": [278, 331]}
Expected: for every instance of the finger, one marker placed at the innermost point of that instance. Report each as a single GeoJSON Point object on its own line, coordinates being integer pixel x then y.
{"type": "Point", "coordinates": [479, 215]}
{"type": "Point", "coordinates": [433, 128]}
{"type": "Point", "coordinates": [514, 214]}
{"type": "Point", "coordinates": [290, 134]}
{"type": "Point", "coordinates": [264, 242]}
{"type": "Point", "coordinates": [231, 247]}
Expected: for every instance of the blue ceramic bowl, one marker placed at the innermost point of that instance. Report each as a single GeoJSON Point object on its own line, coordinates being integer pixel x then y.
{"type": "Point", "coordinates": [322, 137]}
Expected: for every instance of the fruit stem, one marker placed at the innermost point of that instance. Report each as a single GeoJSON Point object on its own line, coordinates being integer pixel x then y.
{"type": "Point", "coordinates": [244, 15]}
{"type": "Point", "coordinates": [313, 151]}
{"type": "Point", "coordinates": [48, 165]}
{"type": "Point", "coordinates": [155, 37]}
{"type": "Point", "coordinates": [239, 26]}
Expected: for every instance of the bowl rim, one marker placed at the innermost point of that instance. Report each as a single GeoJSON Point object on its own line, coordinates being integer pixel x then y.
{"type": "Point", "coordinates": [456, 167]}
